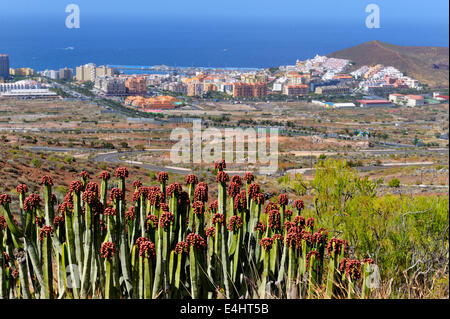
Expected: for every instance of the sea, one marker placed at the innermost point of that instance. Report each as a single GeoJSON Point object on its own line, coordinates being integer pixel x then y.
{"type": "Point", "coordinates": [217, 43]}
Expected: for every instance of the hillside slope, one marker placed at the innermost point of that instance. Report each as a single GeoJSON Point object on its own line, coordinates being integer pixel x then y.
{"type": "Point", "coordinates": [426, 64]}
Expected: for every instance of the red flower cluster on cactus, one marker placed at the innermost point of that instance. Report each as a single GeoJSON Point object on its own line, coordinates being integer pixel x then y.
{"type": "Point", "coordinates": [353, 269]}
{"type": "Point", "coordinates": [214, 206]}
{"type": "Point", "coordinates": [166, 219]}
{"type": "Point", "coordinates": [240, 201]}
{"type": "Point", "coordinates": [174, 189]}
{"type": "Point", "coordinates": [147, 249]}
{"type": "Point", "coordinates": [236, 179]}
{"type": "Point", "coordinates": [84, 175]}
{"type": "Point", "coordinates": [307, 237]}
{"type": "Point", "coordinates": [191, 179]}
{"type": "Point", "coordinates": [162, 177]}
{"type": "Point", "coordinates": [288, 214]}
{"type": "Point", "coordinates": [3, 223]}
{"type": "Point", "coordinates": [233, 189]}
{"type": "Point", "coordinates": [45, 231]}
{"type": "Point", "coordinates": [368, 261]}
{"type": "Point", "coordinates": [89, 197]}
{"type": "Point", "coordinates": [235, 223]}
{"type": "Point", "coordinates": [266, 243]}
{"type": "Point", "coordinates": [203, 184]}
{"type": "Point", "coordinates": [299, 204]}
{"type": "Point", "coordinates": [335, 245]}
{"type": "Point", "coordinates": [140, 240]}
{"type": "Point", "coordinates": [309, 255]}
{"type": "Point", "coordinates": [278, 237]}
{"type": "Point", "coordinates": [253, 191]}
{"type": "Point", "coordinates": [181, 247]}
{"type": "Point", "coordinates": [46, 180]}
{"type": "Point", "coordinates": [31, 202]}
{"type": "Point", "coordinates": [310, 222]}
{"type": "Point", "coordinates": [105, 175]}
{"type": "Point", "coordinates": [137, 184]}
{"type": "Point", "coordinates": [201, 193]}
{"type": "Point", "coordinates": [294, 237]}
{"type": "Point", "coordinates": [21, 189]}
{"type": "Point", "coordinates": [130, 214]}
{"type": "Point", "coordinates": [283, 199]}
{"type": "Point", "coordinates": [274, 221]}
{"type": "Point", "coordinates": [151, 221]}
{"type": "Point", "coordinates": [287, 225]}
{"type": "Point", "coordinates": [58, 220]}
{"type": "Point", "coordinates": [222, 177]}
{"type": "Point", "coordinates": [211, 231]}
{"type": "Point", "coordinates": [5, 199]}
{"type": "Point", "coordinates": [218, 218]}
{"type": "Point", "coordinates": [164, 207]}
{"type": "Point", "coordinates": [220, 165]}
{"type": "Point", "coordinates": [107, 250]}
{"type": "Point", "coordinates": [249, 177]}
{"type": "Point", "coordinates": [39, 221]}
{"type": "Point", "coordinates": [198, 208]}
{"type": "Point", "coordinates": [299, 221]}
{"type": "Point", "coordinates": [319, 238]}
{"type": "Point", "coordinates": [343, 264]}
{"type": "Point", "coordinates": [76, 187]}
{"type": "Point", "coordinates": [195, 240]}
{"type": "Point", "coordinates": [260, 227]}
{"type": "Point", "coordinates": [155, 196]}
{"type": "Point", "coordinates": [270, 206]}
{"type": "Point", "coordinates": [259, 198]}
{"type": "Point", "coordinates": [116, 194]}
{"type": "Point", "coordinates": [121, 172]}
{"type": "Point", "coordinates": [110, 211]}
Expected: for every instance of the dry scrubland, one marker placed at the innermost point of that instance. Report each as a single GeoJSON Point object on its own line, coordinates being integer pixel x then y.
{"type": "Point", "coordinates": [403, 229]}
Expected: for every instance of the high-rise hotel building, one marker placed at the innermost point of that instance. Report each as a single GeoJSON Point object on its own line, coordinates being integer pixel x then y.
{"type": "Point", "coordinates": [4, 66]}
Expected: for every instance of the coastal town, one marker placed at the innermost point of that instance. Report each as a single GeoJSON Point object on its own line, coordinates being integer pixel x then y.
{"type": "Point", "coordinates": [322, 81]}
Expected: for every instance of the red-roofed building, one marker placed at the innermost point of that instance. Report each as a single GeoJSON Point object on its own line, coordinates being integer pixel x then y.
{"type": "Point", "coordinates": [372, 103]}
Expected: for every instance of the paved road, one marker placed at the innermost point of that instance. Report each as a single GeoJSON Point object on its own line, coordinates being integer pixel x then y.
{"type": "Point", "coordinates": [115, 158]}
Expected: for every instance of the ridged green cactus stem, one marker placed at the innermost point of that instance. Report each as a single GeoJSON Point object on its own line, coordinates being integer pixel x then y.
{"type": "Point", "coordinates": [76, 188]}
{"type": "Point", "coordinates": [46, 240]}
{"type": "Point", "coordinates": [49, 209]}
{"type": "Point", "coordinates": [266, 244]}
{"type": "Point", "coordinates": [196, 245]}
{"type": "Point", "coordinates": [64, 269]}
{"type": "Point", "coordinates": [366, 272]}
{"type": "Point", "coordinates": [181, 250]}
{"type": "Point", "coordinates": [107, 252]}
{"type": "Point", "coordinates": [20, 256]}
{"type": "Point", "coordinates": [147, 253]}
{"type": "Point", "coordinates": [222, 179]}
{"type": "Point", "coordinates": [122, 173]}
{"type": "Point", "coordinates": [333, 250]}
{"type": "Point", "coordinates": [70, 246]}
{"type": "Point", "coordinates": [292, 266]}
{"type": "Point", "coordinates": [283, 200]}
{"type": "Point", "coordinates": [313, 272]}
{"type": "Point", "coordinates": [235, 227]}
{"type": "Point", "coordinates": [22, 189]}
{"type": "Point", "coordinates": [90, 202]}
{"type": "Point", "coordinates": [142, 210]}
{"type": "Point", "coordinates": [174, 193]}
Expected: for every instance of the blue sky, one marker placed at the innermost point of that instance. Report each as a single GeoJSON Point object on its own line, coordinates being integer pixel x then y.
{"type": "Point", "coordinates": [320, 11]}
